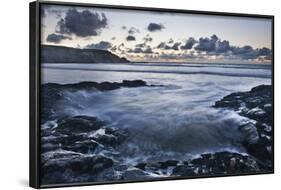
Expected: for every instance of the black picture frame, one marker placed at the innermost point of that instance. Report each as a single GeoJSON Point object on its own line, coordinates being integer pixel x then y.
{"type": "Point", "coordinates": [34, 49]}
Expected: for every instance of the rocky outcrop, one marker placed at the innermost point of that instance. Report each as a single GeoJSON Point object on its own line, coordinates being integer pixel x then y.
{"type": "Point", "coordinates": [61, 54]}
{"type": "Point", "coordinates": [84, 148]}
{"type": "Point", "coordinates": [53, 92]}
{"type": "Point", "coordinates": [77, 149]}
{"type": "Point", "coordinates": [217, 163]}
{"type": "Point", "coordinates": [256, 105]}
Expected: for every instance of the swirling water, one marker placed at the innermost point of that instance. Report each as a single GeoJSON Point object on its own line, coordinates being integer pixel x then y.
{"type": "Point", "coordinates": [175, 120]}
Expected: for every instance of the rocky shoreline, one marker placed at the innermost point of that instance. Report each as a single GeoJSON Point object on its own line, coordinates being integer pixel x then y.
{"type": "Point", "coordinates": [256, 105]}
{"type": "Point", "coordinates": [84, 148]}
{"type": "Point", "coordinates": [51, 93]}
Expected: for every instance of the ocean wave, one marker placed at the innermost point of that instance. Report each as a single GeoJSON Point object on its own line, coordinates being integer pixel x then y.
{"type": "Point", "coordinates": [234, 74]}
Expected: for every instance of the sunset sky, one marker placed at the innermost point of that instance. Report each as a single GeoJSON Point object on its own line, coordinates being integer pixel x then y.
{"type": "Point", "coordinates": [158, 37]}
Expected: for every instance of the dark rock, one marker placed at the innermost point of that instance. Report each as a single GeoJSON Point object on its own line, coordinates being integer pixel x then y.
{"type": "Point", "coordinates": [79, 124]}
{"type": "Point", "coordinates": [225, 163]}
{"type": "Point", "coordinates": [141, 166]}
{"type": "Point", "coordinates": [52, 93]}
{"type": "Point", "coordinates": [168, 163]}
{"type": "Point", "coordinates": [135, 83]}
{"type": "Point", "coordinates": [256, 105]}
{"type": "Point", "coordinates": [85, 147]}
{"type": "Point", "coordinates": [183, 170]}
{"type": "Point", "coordinates": [135, 174]}
{"type": "Point", "coordinates": [62, 167]}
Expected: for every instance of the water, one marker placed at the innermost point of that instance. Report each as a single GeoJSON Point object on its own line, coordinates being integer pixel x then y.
{"type": "Point", "coordinates": [173, 121]}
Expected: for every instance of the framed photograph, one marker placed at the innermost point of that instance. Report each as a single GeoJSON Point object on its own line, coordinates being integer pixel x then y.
{"type": "Point", "coordinates": [131, 94]}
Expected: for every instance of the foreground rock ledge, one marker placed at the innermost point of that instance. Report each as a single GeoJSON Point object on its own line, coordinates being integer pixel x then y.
{"type": "Point", "coordinates": [256, 105]}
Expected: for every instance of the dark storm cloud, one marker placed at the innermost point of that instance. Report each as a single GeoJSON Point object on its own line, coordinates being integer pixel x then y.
{"type": "Point", "coordinates": [82, 24]}
{"type": "Point", "coordinates": [207, 44]}
{"type": "Point", "coordinates": [101, 45]}
{"type": "Point", "coordinates": [176, 46]}
{"type": "Point", "coordinates": [222, 46]}
{"type": "Point", "coordinates": [153, 27]}
{"type": "Point", "coordinates": [248, 52]}
{"type": "Point", "coordinates": [133, 30]}
{"type": "Point", "coordinates": [146, 50]}
{"type": "Point", "coordinates": [130, 38]}
{"type": "Point", "coordinates": [189, 43]}
{"type": "Point", "coordinates": [213, 45]}
{"type": "Point", "coordinates": [165, 46]}
{"type": "Point", "coordinates": [57, 38]}
{"type": "Point", "coordinates": [264, 52]}
{"type": "Point", "coordinates": [245, 52]}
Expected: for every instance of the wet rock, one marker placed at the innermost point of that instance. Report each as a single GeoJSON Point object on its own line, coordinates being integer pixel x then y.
{"type": "Point", "coordinates": [52, 93]}
{"type": "Point", "coordinates": [256, 105]}
{"type": "Point", "coordinates": [225, 163]}
{"type": "Point", "coordinates": [249, 133]}
{"type": "Point", "coordinates": [135, 83]}
{"type": "Point", "coordinates": [134, 174]}
{"type": "Point", "coordinates": [141, 166]}
{"type": "Point", "coordinates": [168, 163]}
{"type": "Point", "coordinates": [79, 124]}
{"type": "Point", "coordinates": [65, 166]}
{"type": "Point", "coordinates": [183, 170]}
{"type": "Point", "coordinates": [85, 147]}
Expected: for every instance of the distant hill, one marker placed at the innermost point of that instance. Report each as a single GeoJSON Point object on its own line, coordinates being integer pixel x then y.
{"type": "Point", "coordinates": [61, 54]}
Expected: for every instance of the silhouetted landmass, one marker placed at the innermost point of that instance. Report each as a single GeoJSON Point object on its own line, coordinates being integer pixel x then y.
{"type": "Point", "coordinates": [61, 54]}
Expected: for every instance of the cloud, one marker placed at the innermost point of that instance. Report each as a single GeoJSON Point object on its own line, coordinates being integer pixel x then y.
{"type": "Point", "coordinates": [176, 46]}
{"type": "Point", "coordinates": [141, 45]}
{"type": "Point", "coordinates": [82, 24]}
{"type": "Point", "coordinates": [130, 38]}
{"type": "Point", "coordinates": [165, 46]}
{"type": "Point", "coordinates": [104, 45]}
{"type": "Point", "coordinates": [178, 56]}
{"type": "Point", "coordinates": [213, 48]}
{"type": "Point", "coordinates": [264, 52]}
{"type": "Point", "coordinates": [207, 44]}
{"type": "Point", "coordinates": [189, 43]}
{"type": "Point", "coordinates": [56, 38]}
{"type": "Point", "coordinates": [124, 27]}
{"type": "Point", "coordinates": [153, 27]}
{"type": "Point", "coordinates": [113, 38]}
{"type": "Point", "coordinates": [147, 39]}
{"type": "Point", "coordinates": [48, 9]}
{"type": "Point", "coordinates": [213, 45]}
{"type": "Point", "coordinates": [133, 30]}
{"type": "Point", "coordinates": [146, 50]}
{"type": "Point", "coordinates": [170, 41]}
{"type": "Point", "coordinates": [222, 46]}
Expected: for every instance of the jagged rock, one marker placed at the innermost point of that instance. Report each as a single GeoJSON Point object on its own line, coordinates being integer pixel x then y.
{"type": "Point", "coordinates": [256, 105]}
{"type": "Point", "coordinates": [66, 166]}
{"type": "Point", "coordinates": [51, 93]}
{"type": "Point", "coordinates": [79, 124]}
{"type": "Point", "coordinates": [183, 170]}
{"type": "Point", "coordinates": [134, 173]}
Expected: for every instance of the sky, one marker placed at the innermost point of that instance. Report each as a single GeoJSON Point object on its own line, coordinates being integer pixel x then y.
{"type": "Point", "coordinates": [158, 37]}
